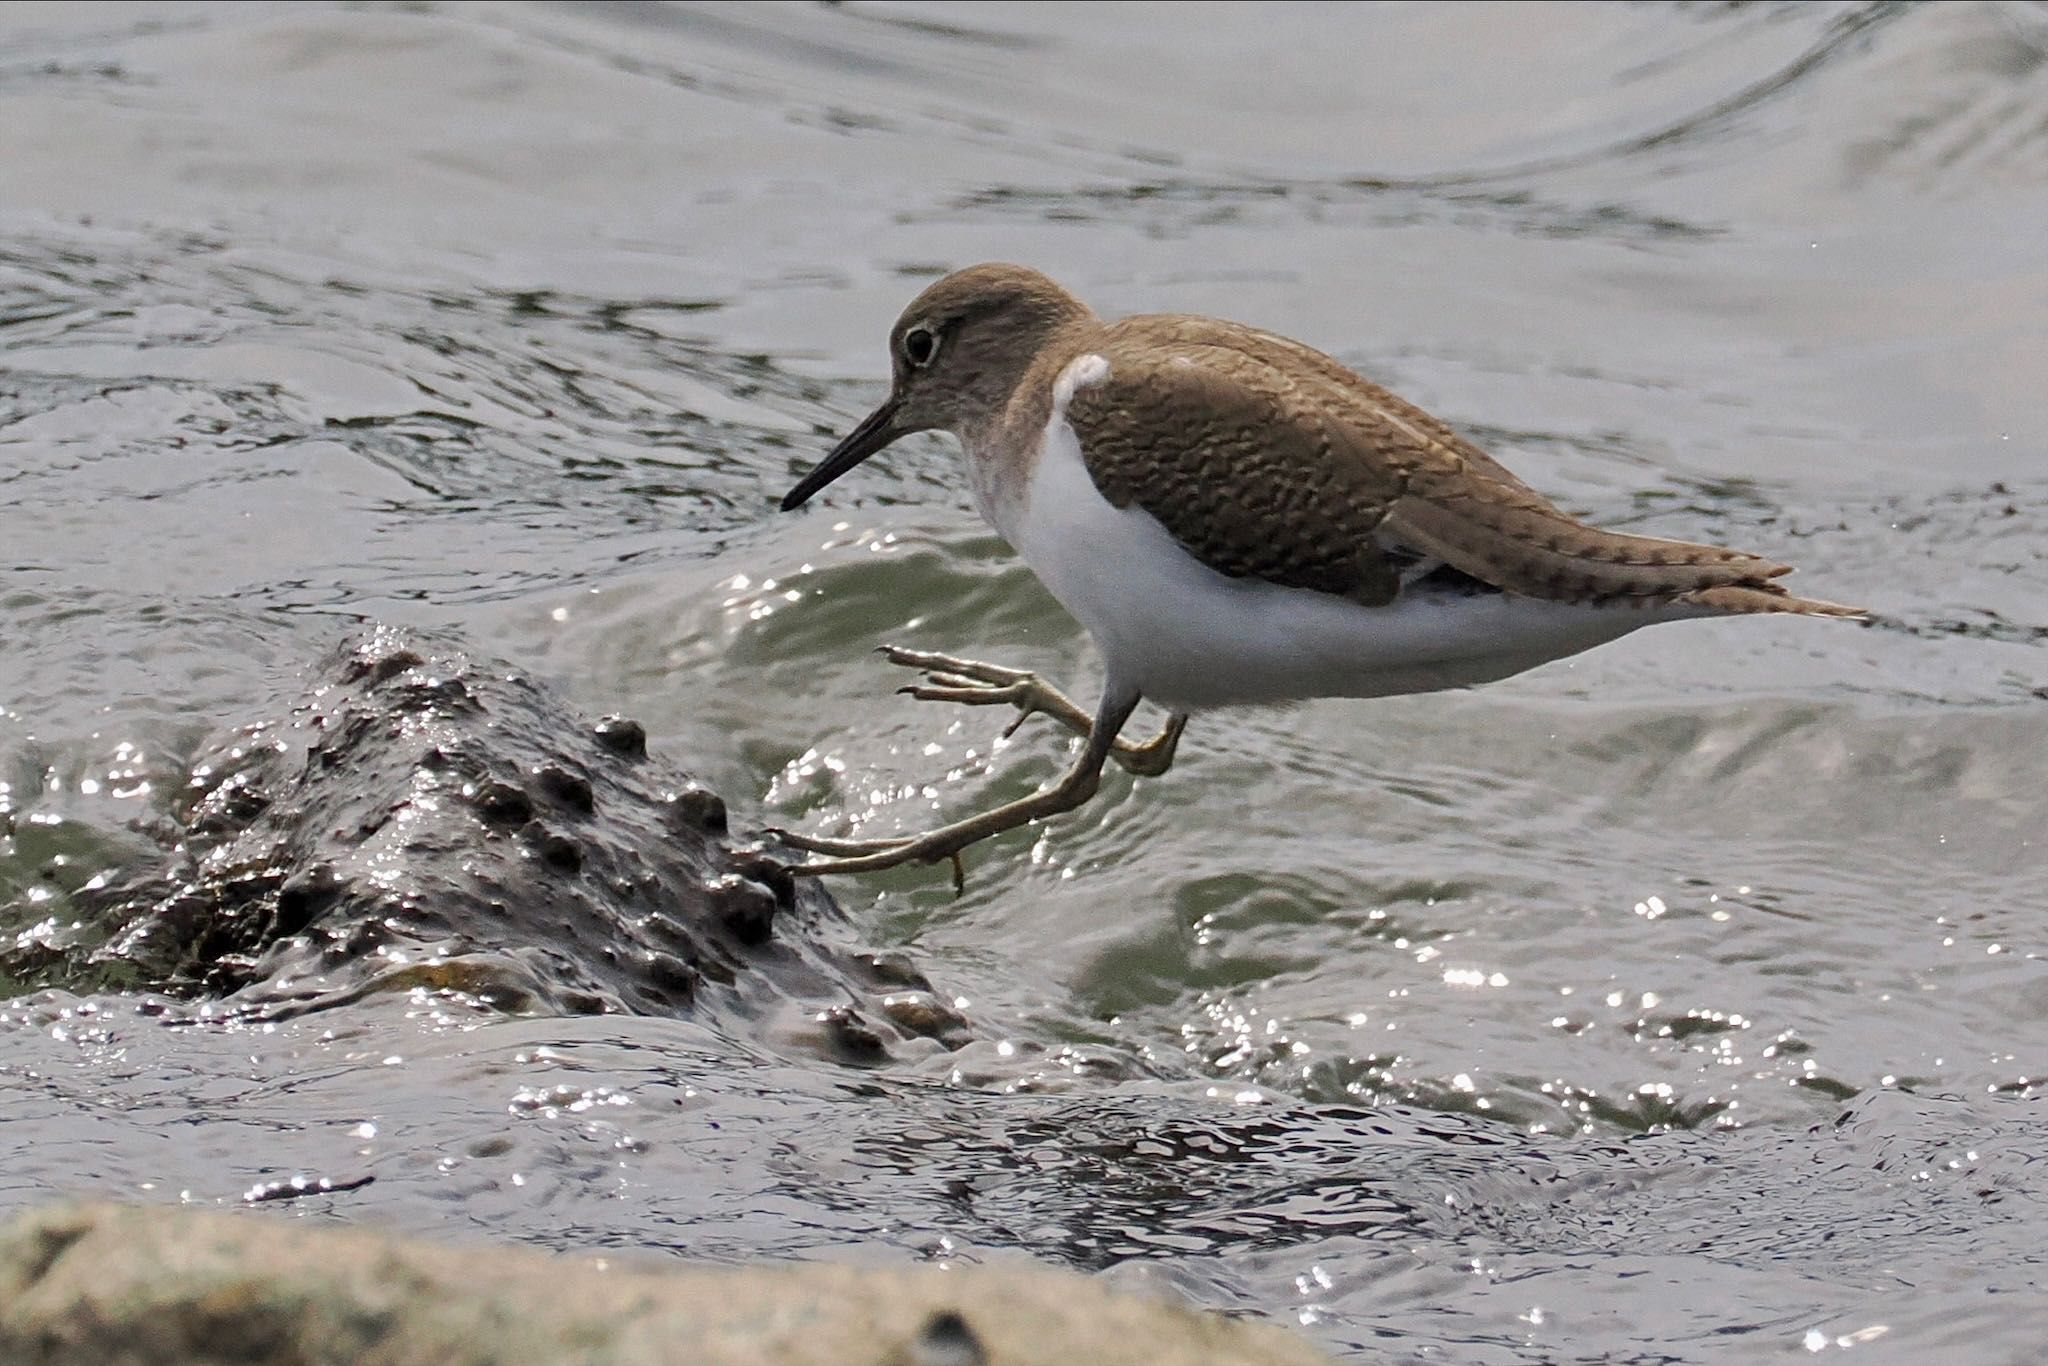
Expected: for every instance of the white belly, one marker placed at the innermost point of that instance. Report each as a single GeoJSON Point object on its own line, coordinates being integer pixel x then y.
{"type": "Point", "coordinates": [1188, 637]}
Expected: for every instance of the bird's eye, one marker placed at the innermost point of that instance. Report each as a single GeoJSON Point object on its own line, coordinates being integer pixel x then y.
{"type": "Point", "coordinates": [920, 345]}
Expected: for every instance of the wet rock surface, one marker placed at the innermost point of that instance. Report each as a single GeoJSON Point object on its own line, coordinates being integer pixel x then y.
{"type": "Point", "coordinates": [112, 1284]}
{"type": "Point", "coordinates": [427, 817]}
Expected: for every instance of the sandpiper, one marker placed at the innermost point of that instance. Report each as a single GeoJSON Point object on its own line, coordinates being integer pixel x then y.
{"type": "Point", "coordinates": [1237, 518]}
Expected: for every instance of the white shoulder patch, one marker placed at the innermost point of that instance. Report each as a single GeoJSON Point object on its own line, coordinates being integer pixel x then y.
{"type": "Point", "coordinates": [1082, 372]}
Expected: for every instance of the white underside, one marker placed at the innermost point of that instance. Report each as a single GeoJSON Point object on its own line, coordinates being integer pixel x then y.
{"type": "Point", "coordinates": [1188, 637]}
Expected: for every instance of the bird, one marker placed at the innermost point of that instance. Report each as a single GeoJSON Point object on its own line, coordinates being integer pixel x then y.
{"type": "Point", "coordinates": [1237, 518]}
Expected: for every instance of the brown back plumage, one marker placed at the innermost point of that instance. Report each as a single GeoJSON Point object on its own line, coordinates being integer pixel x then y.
{"type": "Point", "coordinates": [1267, 458]}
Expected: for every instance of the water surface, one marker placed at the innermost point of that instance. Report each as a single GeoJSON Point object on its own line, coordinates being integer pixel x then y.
{"type": "Point", "coordinates": [1681, 1002]}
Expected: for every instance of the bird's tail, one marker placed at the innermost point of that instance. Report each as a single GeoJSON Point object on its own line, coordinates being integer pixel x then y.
{"type": "Point", "coordinates": [1734, 598]}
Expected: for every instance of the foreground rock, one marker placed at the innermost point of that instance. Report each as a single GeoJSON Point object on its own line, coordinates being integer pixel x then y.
{"type": "Point", "coordinates": [119, 1285]}
{"type": "Point", "coordinates": [426, 817]}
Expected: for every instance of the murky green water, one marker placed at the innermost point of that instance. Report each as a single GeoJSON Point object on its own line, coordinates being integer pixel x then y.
{"type": "Point", "coordinates": [515, 320]}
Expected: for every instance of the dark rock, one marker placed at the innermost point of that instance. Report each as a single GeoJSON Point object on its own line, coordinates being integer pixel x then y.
{"type": "Point", "coordinates": [566, 789]}
{"type": "Point", "coordinates": [420, 799]}
{"type": "Point", "coordinates": [699, 808]}
{"type": "Point", "coordinates": [621, 736]}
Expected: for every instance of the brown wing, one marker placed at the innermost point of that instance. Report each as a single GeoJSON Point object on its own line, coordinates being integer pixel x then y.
{"type": "Point", "coordinates": [1267, 458]}
{"type": "Point", "coordinates": [1254, 483]}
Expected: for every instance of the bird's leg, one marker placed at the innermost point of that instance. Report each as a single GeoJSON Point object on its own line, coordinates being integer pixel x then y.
{"type": "Point", "coordinates": [973, 683]}
{"type": "Point", "coordinates": [1073, 789]}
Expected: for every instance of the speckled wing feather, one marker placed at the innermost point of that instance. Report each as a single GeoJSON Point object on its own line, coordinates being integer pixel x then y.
{"type": "Point", "coordinates": [1219, 449]}
{"type": "Point", "coordinates": [1268, 459]}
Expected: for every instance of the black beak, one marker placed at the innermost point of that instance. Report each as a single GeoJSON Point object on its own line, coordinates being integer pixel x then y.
{"type": "Point", "coordinates": [876, 430]}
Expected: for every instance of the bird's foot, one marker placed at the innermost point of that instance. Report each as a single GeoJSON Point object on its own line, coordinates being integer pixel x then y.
{"type": "Point", "coordinates": [857, 856]}
{"type": "Point", "coordinates": [826, 844]}
{"type": "Point", "coordinates": [1153, 757]}
{"type": "Point", "coordinates": [947, 679]}
{"type": "Point", "coordinates": [974, 683]}
{"type": "Point", "coordinates": [946, 842]}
